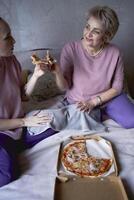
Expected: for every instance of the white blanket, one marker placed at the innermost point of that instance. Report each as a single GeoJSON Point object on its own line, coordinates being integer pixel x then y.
{"type": "Point", "coordinates": [39, 164]}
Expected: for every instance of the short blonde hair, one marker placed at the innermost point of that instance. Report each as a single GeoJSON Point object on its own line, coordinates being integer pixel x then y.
{"type": "Point", "coordinates": [108, 17]}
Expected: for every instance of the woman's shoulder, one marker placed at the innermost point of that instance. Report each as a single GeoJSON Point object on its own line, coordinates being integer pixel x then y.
{"type": "Point", "coordinates": [17, 64]}
{"type": "Point", "coordinates": [7, 59]}
{"type": "Point", "coordinates": [113, 48]}
{"type": "Point", "coordinates": [72, 45]}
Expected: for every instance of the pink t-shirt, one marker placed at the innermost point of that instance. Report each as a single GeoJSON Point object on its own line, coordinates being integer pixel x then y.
{"type": "Point", "coordinates": [88, 76]}
{"type": "Point", "coordinates": [10, 92]}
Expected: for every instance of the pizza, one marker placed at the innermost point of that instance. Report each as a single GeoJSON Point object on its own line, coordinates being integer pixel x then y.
{"type": "Point", "coordinates": [75, 159]}
{"type": "Point", "coordinates": [48, 60]}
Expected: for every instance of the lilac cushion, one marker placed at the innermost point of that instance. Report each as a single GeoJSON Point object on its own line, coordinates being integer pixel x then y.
{"type": "Point", "coordinates": [121, 109]}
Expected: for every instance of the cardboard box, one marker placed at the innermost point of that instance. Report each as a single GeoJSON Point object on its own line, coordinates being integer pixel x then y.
{"type": "Point", "coordinates": [69, 186]}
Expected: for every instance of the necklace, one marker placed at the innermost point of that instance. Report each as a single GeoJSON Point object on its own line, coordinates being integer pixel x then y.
{"type": "Point", "coordinates": [95, 53]}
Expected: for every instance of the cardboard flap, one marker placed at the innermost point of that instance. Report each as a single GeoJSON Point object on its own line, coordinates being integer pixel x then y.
{"type": "Point", "coordinates": [107, 188]}
{"type": "Point", "coordinates": [70, 187]}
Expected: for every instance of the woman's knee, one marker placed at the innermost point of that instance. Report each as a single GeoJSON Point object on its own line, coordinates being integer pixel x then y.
{"type": "Point", "coordinates": [121, 109]}
{"type": "Point", "coordinates": [5, 167]}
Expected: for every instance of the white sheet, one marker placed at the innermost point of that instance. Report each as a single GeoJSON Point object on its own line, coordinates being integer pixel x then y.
{"type": "Point", "coordinates": [39, 165]}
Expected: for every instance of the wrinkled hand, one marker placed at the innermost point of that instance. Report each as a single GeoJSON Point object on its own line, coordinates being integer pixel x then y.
{"type": "Point", "coordinates": [86, 106]}
{"type": "Point", "coordinates": [49, 61]}
{"type": "Point", "coordinates": [37, 120]}
{"type": "Point", "coordinates": [56, 68]}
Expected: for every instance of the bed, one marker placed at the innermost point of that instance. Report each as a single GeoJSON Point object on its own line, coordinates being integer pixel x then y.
{"type": "Point", "coordinates": [39, 163]}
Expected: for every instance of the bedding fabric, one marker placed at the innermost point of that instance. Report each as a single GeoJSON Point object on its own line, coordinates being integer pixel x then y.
{"type": "Point", "coordinates": [39, 164]}
{"type": "Point", "coordinates": [68, 117]}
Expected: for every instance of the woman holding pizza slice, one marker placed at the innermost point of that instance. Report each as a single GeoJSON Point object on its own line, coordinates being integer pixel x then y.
{"type": "Point", "coordinates": [92, 70]}
{"type": "Point", "coordinates": [12, 119]}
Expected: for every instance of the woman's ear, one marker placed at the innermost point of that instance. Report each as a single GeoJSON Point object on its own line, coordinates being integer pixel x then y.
{"type": "Point", "coordinates": [108, 37]}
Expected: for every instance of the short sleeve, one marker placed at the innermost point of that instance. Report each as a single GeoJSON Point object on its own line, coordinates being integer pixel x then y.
{"type": "Point", "coordinates": [118, 77]}
{"type": "Point", "coordinates": [66, 63]}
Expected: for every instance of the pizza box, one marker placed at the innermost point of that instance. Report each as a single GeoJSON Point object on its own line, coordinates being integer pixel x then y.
{"type": "Point", "coordinates": [69, 186]}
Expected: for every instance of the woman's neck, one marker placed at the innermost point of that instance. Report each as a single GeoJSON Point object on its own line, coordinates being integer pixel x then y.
{"type": "Point", "coordinates": [93, 51]}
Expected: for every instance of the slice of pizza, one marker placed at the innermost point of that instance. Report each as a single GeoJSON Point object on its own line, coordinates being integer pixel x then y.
{"type": "Point", "coordinates": [41, 62]}
{"type": "Point", "coordinates": [72, 155]}
{"type": "Point", "coordinates": [49, 60]}
{"type": "Point", "coordinates": [35, 59]}
{"type": "Point", "coordinates": [96, 166]}
{"type": "Point", "coordinates": [74, 151]}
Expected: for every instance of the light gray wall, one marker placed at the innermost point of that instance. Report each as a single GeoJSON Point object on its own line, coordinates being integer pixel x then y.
{"type": "Point", "coordinates": [52, 23]}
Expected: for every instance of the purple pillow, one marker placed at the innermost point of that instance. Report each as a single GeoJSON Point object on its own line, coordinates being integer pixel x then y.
{"type": "Point", "coordinates": [121, 110]}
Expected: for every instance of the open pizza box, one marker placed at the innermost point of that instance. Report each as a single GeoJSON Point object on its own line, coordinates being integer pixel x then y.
{"type": "Point", "coordinates": [101, 184]}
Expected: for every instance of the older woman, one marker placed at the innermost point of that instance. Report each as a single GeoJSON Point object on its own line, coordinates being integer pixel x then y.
{"type": "Point", "coordinates": [91, 70]}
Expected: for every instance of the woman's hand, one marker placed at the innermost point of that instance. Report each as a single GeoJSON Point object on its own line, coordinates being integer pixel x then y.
{"type": "Point", "coordinates": [49, 62]}
{"type": "Point", "coordinates": [39, 70]}
{"type": "Point", "coordinates": [37, 120]}
{"type": "Point", "coordinates": [86, 106]}
{"type": "Point", "coordinates": [44, 64]}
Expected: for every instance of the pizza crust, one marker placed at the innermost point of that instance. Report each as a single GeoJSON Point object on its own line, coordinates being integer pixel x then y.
{"type": "Point", "coordinates": [47, 60]}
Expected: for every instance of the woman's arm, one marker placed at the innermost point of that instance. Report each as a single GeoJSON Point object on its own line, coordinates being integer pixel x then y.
{"type": "Point", "coordinates": [98, 100]}
{"type": "Point", "coordinates": [117, 82]}
{"type": "Point", "coordinates": [8, 124]}
{"type": "Point", "coordinates": [60, 80]}
{"type": "Point", "coordinates": [29, 87]}
{"type": "Point", "coordinates": [107, 96]}
{"type": "Point", "coordinates": [64, 71]}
